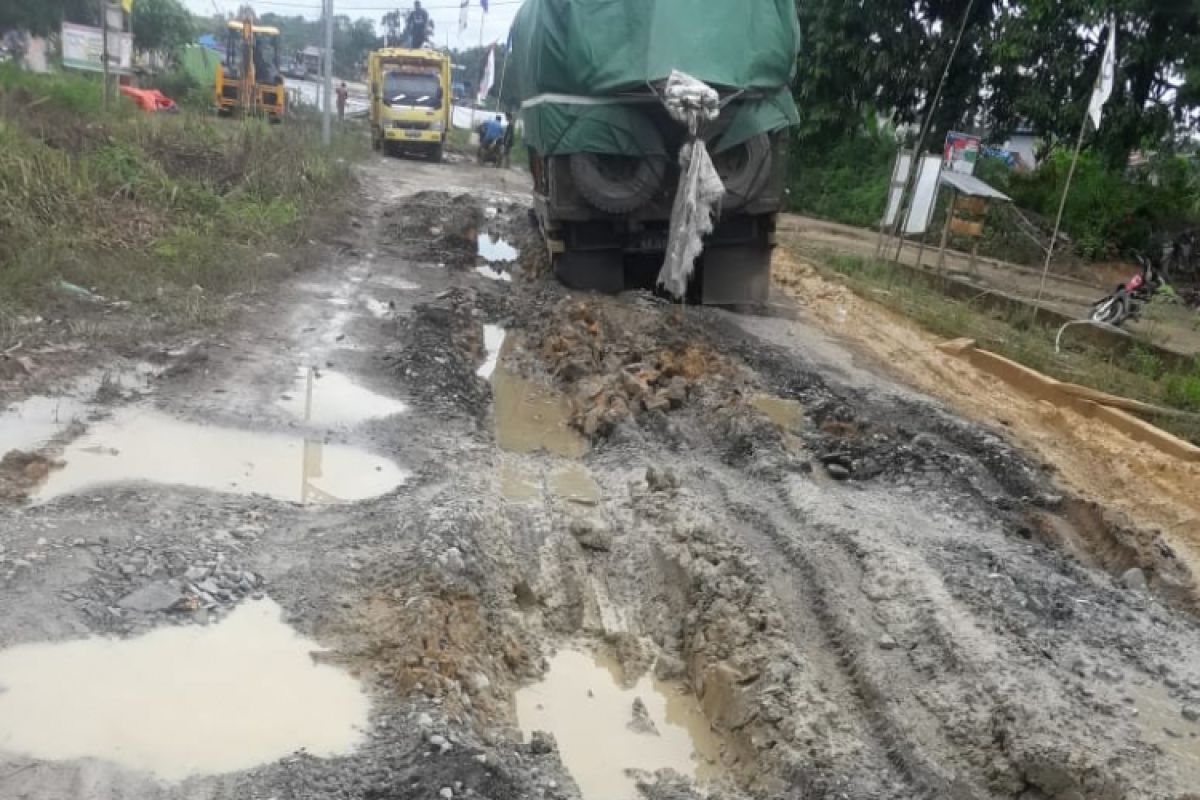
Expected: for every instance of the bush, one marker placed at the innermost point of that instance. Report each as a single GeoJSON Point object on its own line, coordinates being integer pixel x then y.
{"type": "Point", "coordinates": [847, 182]}
{"type": "Point", "coordinates": [140, 206]}
{"type": "Point", "coordinates": [1109, 213]}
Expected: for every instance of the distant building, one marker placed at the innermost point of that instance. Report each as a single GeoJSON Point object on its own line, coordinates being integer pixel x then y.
{"type": "Point", "coordinates": [1023, 144]}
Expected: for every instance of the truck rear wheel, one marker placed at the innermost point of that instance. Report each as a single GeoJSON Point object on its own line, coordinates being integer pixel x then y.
{"type": "Point", "coordinates": [617, 184]}
{"type": "Point", "coordinates": [745, 170]}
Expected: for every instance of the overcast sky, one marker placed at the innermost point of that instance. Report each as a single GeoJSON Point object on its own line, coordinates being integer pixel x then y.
{"type": "Point", "coordinates": [445, 15]}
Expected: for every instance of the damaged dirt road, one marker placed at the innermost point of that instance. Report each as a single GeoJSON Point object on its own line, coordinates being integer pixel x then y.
{"type": "Point", "coordinates": [425, 525]}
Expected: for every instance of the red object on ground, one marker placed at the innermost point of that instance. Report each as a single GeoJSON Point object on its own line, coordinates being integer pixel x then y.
{"type": "Point", "coordinates": [149, 99]}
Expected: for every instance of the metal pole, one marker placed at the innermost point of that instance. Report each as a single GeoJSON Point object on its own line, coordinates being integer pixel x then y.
{"type": "Point", "coordinates": [1062, 206]}
{"type": "Point", "coordinates": [946, 230]}
{"type": "Point", "coordinates": [326, 116]}
{"type": "Point", "coordinates": [897, 228]}
{"type": "Point", "coordinates": [104, 50]}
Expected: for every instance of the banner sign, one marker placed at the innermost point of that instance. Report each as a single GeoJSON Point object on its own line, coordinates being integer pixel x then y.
{"type": "Point", "coordinates": [962, 152]}
{"type": "Point", "coordinates": [83, 48]}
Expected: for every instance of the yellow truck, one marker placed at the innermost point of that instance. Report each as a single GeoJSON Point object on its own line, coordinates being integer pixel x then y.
{"type": "Point", "coordinates": [249, 79]}
{"type": "Point", "coordinates": [410, 100]}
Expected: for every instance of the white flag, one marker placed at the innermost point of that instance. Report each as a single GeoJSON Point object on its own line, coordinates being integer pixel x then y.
{"type": "Point", "coordinates": [489, 74]}
{"type": "Point", "coordinates": [463, 13]}
{"type": "Point", "coordinates": [1108, 76]}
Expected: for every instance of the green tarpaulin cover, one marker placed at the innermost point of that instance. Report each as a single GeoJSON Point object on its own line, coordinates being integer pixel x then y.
{"type": "Point", "coordinates": [576, 61]}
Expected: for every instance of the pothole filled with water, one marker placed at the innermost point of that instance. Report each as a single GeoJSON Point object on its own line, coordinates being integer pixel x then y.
{"type": "Point", "coordinates": [531, 417]}
{"type": "Point", "coordinates": [604, 730]}
{"type": "Point", "coordinates": [142, 445]}
{"type": "Point", "coordinates": [181, 701]}
{"type": "Point", "coordinates": [324, 397]}
{"type": "Point", "coordinates": [31, 423]}
{"type": "Point", "coordinates": [496, 250]}
{"type": "Point", "coordinates": [1164, 726]}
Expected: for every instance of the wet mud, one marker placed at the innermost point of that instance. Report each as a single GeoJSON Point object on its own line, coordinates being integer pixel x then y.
{"type": "Point", "coordinates": [776, 576]}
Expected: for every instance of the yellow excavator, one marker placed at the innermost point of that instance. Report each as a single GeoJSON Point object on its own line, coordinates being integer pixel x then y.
{"type": "Point", "coordinates": [249, 79]}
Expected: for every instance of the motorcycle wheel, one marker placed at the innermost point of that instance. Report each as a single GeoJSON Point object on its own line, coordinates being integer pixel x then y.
{"type": "Point", "coordinates": [1111, 311]}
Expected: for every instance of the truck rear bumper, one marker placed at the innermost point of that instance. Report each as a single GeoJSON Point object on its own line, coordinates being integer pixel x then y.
{"type": "Point", "coordinates": [412, 137]}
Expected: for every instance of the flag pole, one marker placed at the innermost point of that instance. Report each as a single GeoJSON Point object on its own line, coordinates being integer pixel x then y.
{"type": "Point", "coordinates": [1101, 91]}
{"type": "Point", "coordinates": [1062, 206]}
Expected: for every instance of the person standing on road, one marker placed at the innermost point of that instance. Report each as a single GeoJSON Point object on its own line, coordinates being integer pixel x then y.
{"type": "Point", "coordinates": [342, 94]}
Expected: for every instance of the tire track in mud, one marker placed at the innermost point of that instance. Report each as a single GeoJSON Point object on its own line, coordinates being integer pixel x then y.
{"type": "Point", "coordinates": [812, 611]}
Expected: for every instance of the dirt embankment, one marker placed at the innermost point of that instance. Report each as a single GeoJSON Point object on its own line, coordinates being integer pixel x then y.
{"type": "Point", "coordinates": [1152, 490]}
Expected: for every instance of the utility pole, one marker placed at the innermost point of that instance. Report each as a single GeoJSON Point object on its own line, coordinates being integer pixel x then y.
{"type": "Point", "coordinates": [104, 49]}
{"type": "Point", "coordinates": [326, 116]}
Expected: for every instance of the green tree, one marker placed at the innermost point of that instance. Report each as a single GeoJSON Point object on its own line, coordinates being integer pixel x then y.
{"type": "Point", "coordinates": [1045, 61]}
{"type": "Point", "coordinates": [41, 17]}
{"type": "Point", "coordinates": [160, 24]}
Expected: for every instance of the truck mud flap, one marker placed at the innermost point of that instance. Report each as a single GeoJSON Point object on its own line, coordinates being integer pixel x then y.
{"type": "Point", "coordinates": [736, 275]}
{"type": "Point", "coordinates": [591, 270]}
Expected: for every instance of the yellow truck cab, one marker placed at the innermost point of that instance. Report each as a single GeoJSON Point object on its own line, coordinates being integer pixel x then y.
{"type": "Point", "coordinates": [410, 100]}
{"type": "Point", "coordinates": [249, 78]}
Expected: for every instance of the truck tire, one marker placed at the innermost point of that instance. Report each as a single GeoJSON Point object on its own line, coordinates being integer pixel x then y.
{"type": "Point", "coordinates": [745, 170]}
{"type": "Point", "coordinates": [617, 184]}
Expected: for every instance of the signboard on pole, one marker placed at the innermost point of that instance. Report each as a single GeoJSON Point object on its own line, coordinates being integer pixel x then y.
{"type": "Point", "coordinates": [83, 48]}
{"type": "Point", "coordinates": [924, 195]}
{"type": "Point", "coordinates": [961, 153]}
{"type": "Point", "coordinates": [901, 171]}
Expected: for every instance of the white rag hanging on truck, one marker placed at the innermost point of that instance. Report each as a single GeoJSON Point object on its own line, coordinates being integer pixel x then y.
{"type": "Point", "coordinates": [690, 102]}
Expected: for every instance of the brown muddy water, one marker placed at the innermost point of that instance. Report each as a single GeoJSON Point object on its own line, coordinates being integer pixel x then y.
{"type": "Point", "coordinates": [1158, 716]}
{"type": "Point", "coordinates": [581, 702]}
{"type": "Point", "coordinates": [141, 445]}
{"type": "Point", "coordinates": [181, 701]}
{"type": "Point", "coordinates": [788, 415]}
{"type": "Point", "coordinates": [531, 417]}
{"type": "Point", "coordinates": [324, 397]}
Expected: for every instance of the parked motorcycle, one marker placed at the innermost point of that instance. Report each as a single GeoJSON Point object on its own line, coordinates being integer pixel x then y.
{"type": "Point", "coordinates": [1126, 302]}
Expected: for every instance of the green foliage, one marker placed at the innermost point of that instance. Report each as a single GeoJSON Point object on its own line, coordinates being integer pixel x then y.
{"type": "Point", "coordinates": [77, 92]}
{"type": "Point", "coordinates": [42, 17]}
{"type": "Point", "coordinates": [1022, 62]}
{"type": "Point", "coordinates": [846, 182]}
{"type": "Point", "coordinates": [1183, 391]}
{"type": "Point", "coordinates": [1110, 212]}
{"type": "Point", "coordinates": [142, 207]}
{"type": "Point", "coordinates": [160, 24]}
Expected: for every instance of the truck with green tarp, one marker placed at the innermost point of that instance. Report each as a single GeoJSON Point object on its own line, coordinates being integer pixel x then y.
{"type": "Point", "coordinates": [604, 152]}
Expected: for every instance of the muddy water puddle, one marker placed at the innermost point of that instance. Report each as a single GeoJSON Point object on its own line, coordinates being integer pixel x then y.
{"type": "Point", "coordinates": [143, 445]}
{"type": "Point", "coordinates": [572, 482]}
{"type": "Point", "coordinates": [581, 702]}
{"type": "Point", "coordinates": [1163, 725]}
{"type": "Point", "coordinates": [181, 701]}
{"type": "Point", "coordinates": [786, 414]}
{"type": "Point", "coordinates": [532, 417]}
{"type": "Point", "coordinates": [31, 423]}
{"type": "Point", "coordinates": [495, 250]}
{"type": "Point", "coordinates": [325, 397]}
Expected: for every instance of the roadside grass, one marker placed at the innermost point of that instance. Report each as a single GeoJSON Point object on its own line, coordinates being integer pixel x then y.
{"type": "Point", "coordinates": [167, 214]}
{"type": "Point", "coordinates": [1134, 372]}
